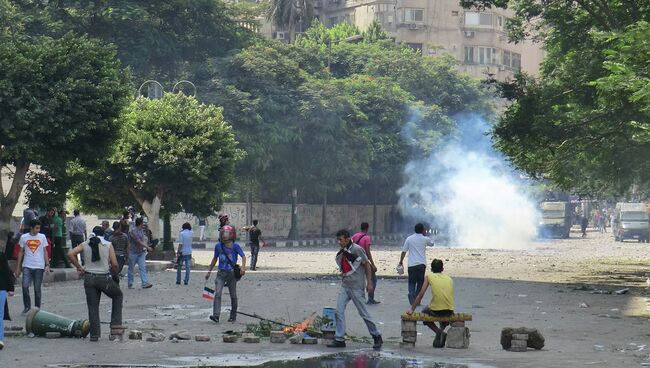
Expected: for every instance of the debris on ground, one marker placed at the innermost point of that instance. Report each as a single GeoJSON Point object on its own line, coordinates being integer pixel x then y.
{"type": "Point", "coordinates": [535, 339]}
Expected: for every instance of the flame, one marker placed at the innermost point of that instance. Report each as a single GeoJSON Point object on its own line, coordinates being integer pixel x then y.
{"type": "Point", "coordinates": [299, 327]}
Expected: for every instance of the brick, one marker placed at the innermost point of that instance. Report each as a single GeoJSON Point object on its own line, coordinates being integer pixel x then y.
{"type": "Point", "coordinates": [518, 345]}
{"type": "Point", "coordinates": [250, 338]}
{"type": "Point", "coordinates": [230, 338]}
{"type": "Point", "coordinates": [523, 337]}
{"type": "Point", "coordinates": [409, 326]}
{"type": "Point", "coordinates": [202, 338]}
{"type": "Point", "coordinates": [457, 338]}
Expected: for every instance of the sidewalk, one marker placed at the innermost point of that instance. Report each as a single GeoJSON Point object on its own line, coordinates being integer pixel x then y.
{"type": "Point", "coordinates": [306, 242]}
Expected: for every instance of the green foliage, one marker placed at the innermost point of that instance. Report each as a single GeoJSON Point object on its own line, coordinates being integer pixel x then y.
{"type": "Point", "coordinates": [286, 14]}
{"type": "Point", "coordinates": [584, 123]}
{"type": "Point", "coordinates": [374, 32]}
{"type": "Point", "coordinates": [155, 38]}
{"type": "Point", "coordinates": [174, 148]}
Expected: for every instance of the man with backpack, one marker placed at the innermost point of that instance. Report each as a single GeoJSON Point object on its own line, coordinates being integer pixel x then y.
{"type": "Point", "coordinates": [363, 239]}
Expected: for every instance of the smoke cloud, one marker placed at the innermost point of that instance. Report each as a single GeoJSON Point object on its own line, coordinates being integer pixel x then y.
{"type": "Point", "coordinates": [468, 191]}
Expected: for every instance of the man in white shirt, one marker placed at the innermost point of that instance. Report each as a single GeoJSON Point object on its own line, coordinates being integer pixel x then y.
{"type": "Point", "coordinates": [32, 261]}
{"type": "Point", "coordinates": [415, 245]}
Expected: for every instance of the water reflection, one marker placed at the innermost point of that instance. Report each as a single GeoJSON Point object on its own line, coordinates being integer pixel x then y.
{"type": "Point", "coordinates": [360, 360]}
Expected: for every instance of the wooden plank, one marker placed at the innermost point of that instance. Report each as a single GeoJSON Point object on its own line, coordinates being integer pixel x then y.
{"type": "Point", "coordinates": [458, 317]}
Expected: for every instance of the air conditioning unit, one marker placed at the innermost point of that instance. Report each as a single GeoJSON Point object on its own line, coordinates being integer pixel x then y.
{"type": "Point", "coordinates": [414, 26]}
{"type": "Point", "coordinates": [279, 36]}
{"type": "Point", "coordinates": [470, 34]}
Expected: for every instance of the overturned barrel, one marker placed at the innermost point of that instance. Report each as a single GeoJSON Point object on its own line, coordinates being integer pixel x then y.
{"type": "Point", "coordinates": [40, 322]}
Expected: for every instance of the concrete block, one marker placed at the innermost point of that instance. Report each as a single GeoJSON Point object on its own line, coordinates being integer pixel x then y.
{"type": "Point", "coordinates": [458, 338]}
{"type": "Point", "coordinates": [202, 338]}
{"type": "Point", "coordinates": [278, 337]}
{"type": "Point", "coordinates": [518, 345]}
{"type": "Point", "coordinates": [309, 340]}
{"type": "Point", "coordinates": [180, 335]}
{"type": "Point", "coordinates": [535, 338]}
{"type": "Point", "coordinates": [408, 326]}
{"type": "Point", "coordinates": [520, 337]}
{"type": "Point", "coordinates": [412, 339]}
{"type": "Point", "coordinates": [230, 338]}
{"type": "Point", "coordinates": [409, 334]}
{"type": "Point", "coordinates": [296, 338]}
{"type": "Point", "coordinates": [250, 338]}
{"type": "Point", "coordinates": [458, 324]}
{"type": "Point", "coordinates": [405, 344]}
{"type": "Point", "coordinates": [326, 341]}
{"type": "Point", "coordinates": [135, 335]}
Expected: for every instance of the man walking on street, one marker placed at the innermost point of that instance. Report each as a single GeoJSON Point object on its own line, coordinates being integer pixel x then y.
{"type": "Point", "coordinates": [78, 232]}
{"type": "Point", "coordinates": [202, 224]}
{"type": "Point", "coordinates": [138, 247]}
{"type": "Point", "coordinates": [254, 235]}
{"type": "Point", "coordinates": [32, 261]}
{"type": "Point", "coordinates": [357, 274]}
{"type": "Point", "coordinates": [415, 245]}
{"type": "Point", "coordinates": [100, 259]}
{"type": "Point", "coordinates": [364, 240]}
{"type": "Point", "coordinates": [184, 253]}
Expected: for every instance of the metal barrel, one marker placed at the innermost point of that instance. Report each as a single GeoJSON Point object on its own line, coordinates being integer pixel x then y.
{"type": "Point", "coordinates": [40, 322]}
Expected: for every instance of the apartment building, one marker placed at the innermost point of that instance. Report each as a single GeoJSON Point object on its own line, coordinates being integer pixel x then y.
{"type": "Point", "coordinates": [476, 39]}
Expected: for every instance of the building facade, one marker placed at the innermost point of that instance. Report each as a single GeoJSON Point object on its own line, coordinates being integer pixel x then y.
{"type": "Point", "coordinates": [478, 40]}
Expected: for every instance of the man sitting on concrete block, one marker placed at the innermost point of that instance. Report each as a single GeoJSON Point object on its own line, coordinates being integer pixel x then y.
{"type": "Point", "coordinates": [442, 300]}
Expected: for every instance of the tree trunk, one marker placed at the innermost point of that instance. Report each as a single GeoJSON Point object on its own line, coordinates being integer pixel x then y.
{"type": "Point", "coordinates": [9, 200]}
{"type": "Point", "coordinates": [152, 209]}
{"type": "Point", "coordinates": [168, 245]}
{"type": "Point", "coordinates": [293, 232]}
{"type": "Point", "coordinates": [323, 226]}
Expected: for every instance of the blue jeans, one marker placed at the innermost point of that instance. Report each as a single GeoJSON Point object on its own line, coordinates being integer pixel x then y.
{"type": "Point", "coordinates": [140, 260]}
{"type": "Point", "coordinates": [187, 259]}
{"type": "Point", "coordinates": [29, 275]}
{"type": "Point", "coordinates": [371, 296]}
{"type": "Point", "coordinates": [358, 297]}
{"type": "Point", "coordinates": [3, 299]}
{"type": "Point", "coordinates": [416, 280]}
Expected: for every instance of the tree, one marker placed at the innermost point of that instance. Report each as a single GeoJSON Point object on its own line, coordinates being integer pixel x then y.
{"type": "Point", "coordinates": [157, 39]}
{"type": "Point", "coordinates": [58, 96]}
{"type": "Point", "coordinates": [583, 124]}
{"type": "Point", "coordinates": [172, 152]}
{"type": "Point", "coordinates": [287, 13]}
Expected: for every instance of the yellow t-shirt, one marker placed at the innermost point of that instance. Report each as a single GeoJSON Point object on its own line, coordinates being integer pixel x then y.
{"type": "Point", "coordinates": [442, 292]}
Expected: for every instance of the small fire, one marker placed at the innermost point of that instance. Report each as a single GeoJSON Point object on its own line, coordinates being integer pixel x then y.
{"type": "Point", "coordinates": [299, 327]}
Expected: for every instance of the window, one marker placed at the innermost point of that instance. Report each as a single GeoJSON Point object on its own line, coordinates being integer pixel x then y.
{"type": "Point", "coordinates": [487, 55]}
{"type": "Point", "coordinates": [516, 61]}
{"type": "Point", "coordinates": [413, 15]}
{"type": "Point", "coordinates": [415, 46]}
{"type": "Point", "coordinates": [506, 58]}
{"type": "Point", "coordinates": [478, 19]}
{"type": "Point", "coordinates": [469, 55]}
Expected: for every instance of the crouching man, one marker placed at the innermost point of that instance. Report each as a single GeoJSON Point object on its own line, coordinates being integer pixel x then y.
{"type": "Point", "coordinates": [99, 259]}
{"type": "Point", "coordinates": [357, 275]}
{"type": "Point", "coordinates": [442, 300]}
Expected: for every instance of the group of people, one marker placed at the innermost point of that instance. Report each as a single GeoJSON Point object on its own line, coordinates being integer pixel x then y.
{"type": "Point", "coordinates": [105, 251]}
{"type": "Point", "coordinates": [601, 220]}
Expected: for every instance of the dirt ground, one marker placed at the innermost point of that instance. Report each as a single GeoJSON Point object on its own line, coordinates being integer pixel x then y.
{"type": "Point", "coordinates": [542, 286]}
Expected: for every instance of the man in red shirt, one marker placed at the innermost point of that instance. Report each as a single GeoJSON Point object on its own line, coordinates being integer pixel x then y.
{"type": "Point", "coordinates": [364, 240]}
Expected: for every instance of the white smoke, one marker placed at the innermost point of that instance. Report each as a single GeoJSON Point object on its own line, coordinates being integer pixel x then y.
{"type": "Point", "coordinates": [468, 191]}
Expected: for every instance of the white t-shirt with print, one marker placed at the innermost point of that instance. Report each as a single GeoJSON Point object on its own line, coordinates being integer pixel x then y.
{"type": "Point", "coordinates": [34, 246]}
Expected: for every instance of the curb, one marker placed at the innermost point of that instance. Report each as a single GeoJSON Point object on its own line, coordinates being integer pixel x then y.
{"type": "Point", "coordinates": [302, 243]}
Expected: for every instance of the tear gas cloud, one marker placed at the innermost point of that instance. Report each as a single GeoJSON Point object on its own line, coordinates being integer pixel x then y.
{"type": "Point", "coordinates": [468, 191]}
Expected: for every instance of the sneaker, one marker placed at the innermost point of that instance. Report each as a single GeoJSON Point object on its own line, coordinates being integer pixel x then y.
{"type": "Point", "coordinates": [214, 319]}
{"type": "Point", "coordinates": [336, 344]}
{"type": "Point", "coordinates": [439, 341]}
{"type": "Point", "coordinates": [371, 302]}
{"type": "Point", "coordinates": [147, 286]}
{"type": "Point", "coordinates": [378, 342]}
{"type": "Point", "coordinates": [94, 338]}
{"type": "Point", "coordinates": [186, 283]}
{"type": "Point", "coordinates": [26, 310]}
{"type": "Point", "coordinates": [178, 283]}
{"type": "Point", "coordinates": [232, 319]}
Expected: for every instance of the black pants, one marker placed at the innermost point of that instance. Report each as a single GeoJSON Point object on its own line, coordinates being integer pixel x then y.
{"type": "Point", "coordinates": [59, 255]}
{"type": "Point", "coordinates": [416, 280]}
{"type": "Point", "coordinates": [255, 249]}
{"type": "Point", "coordinates": [95, 285]}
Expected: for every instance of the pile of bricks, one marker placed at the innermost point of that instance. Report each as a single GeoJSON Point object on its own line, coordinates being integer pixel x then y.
{"type": "Point", "coordinates": [519, 342]}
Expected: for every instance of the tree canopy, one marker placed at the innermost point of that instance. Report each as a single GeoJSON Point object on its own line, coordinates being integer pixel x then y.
{"type": "Point", "coordinates": [584, 122]}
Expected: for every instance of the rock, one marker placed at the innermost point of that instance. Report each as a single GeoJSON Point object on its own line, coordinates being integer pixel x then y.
{"type": "Point", "coordinates": [296, 338]}
{"type": "Point", "coordinates": [250, 338]}
{"type": "Point", "coordinates": [230, 338]}
{"type": "Point", "coordinates": [202, 338]}
{"type": "Point", "coordinates": [518, 345]}
{"type": "Point", "coordinates": [52, 335]}
{"type": "Point", "coordinates": [309, 340]}
{"type": "Point", "coordinates": [155, 337]}
{"type": "Point", "coordinates": [278, 337]}
{"type": "Point", "coordinates": [535, 338]}
{"type": "Point", "coordinates": [584, 305]}
{"type": "Point", "coordinates": [180, 335]}
{"type": "Point", "coordinates": [135, 335]}
{"type": "Point", "coordinates": [457, 338]}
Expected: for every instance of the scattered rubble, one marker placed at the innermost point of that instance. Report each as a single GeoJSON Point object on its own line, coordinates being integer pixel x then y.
{"type": "Point", "coordinates": [135, 335]}
{"type": "Point", "coordinates": [534, 338]}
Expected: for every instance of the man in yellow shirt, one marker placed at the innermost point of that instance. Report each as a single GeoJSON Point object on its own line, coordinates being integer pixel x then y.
{"type": "Point", "coordinates": [442, 300]}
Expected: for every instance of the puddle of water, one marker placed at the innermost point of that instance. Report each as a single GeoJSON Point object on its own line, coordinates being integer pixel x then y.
{"type": "Point", "coordinates": [304, 360]}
